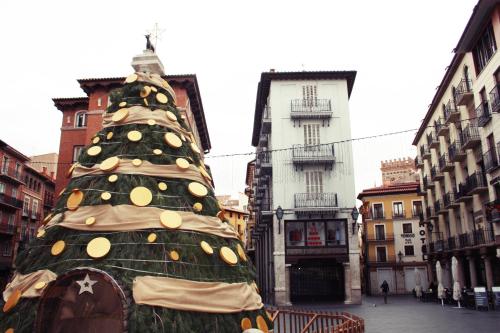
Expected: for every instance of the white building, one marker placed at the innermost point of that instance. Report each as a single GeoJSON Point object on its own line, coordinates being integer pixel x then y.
{"type": "Point", "coordinates": [313, 252]}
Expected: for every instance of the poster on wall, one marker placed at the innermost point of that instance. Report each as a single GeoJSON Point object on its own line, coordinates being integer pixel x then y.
{"type": "Point", "coordinates": [295, 234]}
{"type": "Point", "coordinates": [335, 233]}
{"type": "Point", "coordinates": [315, 234]}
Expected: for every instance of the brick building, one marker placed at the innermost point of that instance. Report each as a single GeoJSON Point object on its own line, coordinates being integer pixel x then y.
{"type": "Point", "coordinates": [398, 171]}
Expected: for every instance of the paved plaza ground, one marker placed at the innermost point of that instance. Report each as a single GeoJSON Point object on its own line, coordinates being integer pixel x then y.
{"type": "Point", "coordinates": [406, 314]}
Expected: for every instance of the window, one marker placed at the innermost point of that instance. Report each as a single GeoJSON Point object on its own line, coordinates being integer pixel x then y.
{"type": "Point", "coordinates": [24, 229]}
{"type": "Point", "coordinates": [315, 234]}
{"type": "Point", "coordinates": [10, 226]}
{"type": "Point", "coordinates": [397, 209]}
{"type": "Point", "coordinates": [409, 250]}
{"type": "Point", "coordinates": [230, 214]}
{"type": "Point", "coordinates": [378, 211]}
{"type": "Point", "coordinates": [5, 164]}
{"type": "Point", "coordinates": [314, 183]}
{"type": "Point", "coordinates": [310, 95]}
{"type": "Point", "coordinates": [17, 171]}
{"type": "Point", "coordinates": [484, 49]}
{"type": "Point", "coordinates": [380, 232]}
{"type": "Point", "coordinates": [34, 210]}
{"type": "Point", "coordinates": [311, 135]}
{"type": "Point", "coordinates": [295, 234]}
{"type": "Point", "coordinates": [417, 208]}
{"type": "Point", "coordinates": [77, 150]}
{"type": "Point", "coordinates": [335, 233]}
{"type": "Point", "coordinates": [7, 248]}
{"type": "Point", "coordinates": [2, 188]}
{"type": "Point", "coordinates": [381, 254]}
{"type": "Point", "coordinates": [407, 228]}
{"type": "Point", "coordinates": [99, 101]}
{"type": "Point", "coordinates": [81, 119]}
{"type": "Point", "coordinates": [26, 206]}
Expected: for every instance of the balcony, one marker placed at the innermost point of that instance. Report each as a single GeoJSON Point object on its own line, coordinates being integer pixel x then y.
{"type": "Point", "coordinates": [495, 99]}
{"type": "Point", "coordinates": [11, 174]}
{"type": "Point", "coordinates": [481, 237]}
{"type": "Point", "coordinates": [483, 114]}
{"type": "Point", "coordinates": [10, 202]}
{"type": "Point", "coordinates": [463, 92]}
{"type": "Point", "coordinates": [462, 194]}
{"type": "Point", "coordinates": [263, 140]}
{"type": "Point", "coordinates": [35, 216]}
{"type": "Point", "coordinates": [263, 163]}
{"type": "Point", "coordinates": [398, 215]}
{"type": "Point", "coordinates": [470, 137]}
{"type": "Point", "coordinates": [439, 207]}
{"type": "Point", "coordinates": [490, 159]}
{"type": "Point", "coordinates": [449, 200]}
{"type": "Point", "coordinates": [319, 154]}
{"type": "Point", "coordinates": [451, 244]}
{"type": "Point", "coordinates": [433, 140]}
{"type": "Point", "coordinates": [7, 229]}
{"type": "Point", "coordinates": [419, 162]}
{"type": "Point", "coordinates": [436, 174]}
{"type": "Point", "coordinates": [425, 152]}
{"type": "Point", "coordinates": [264, 206]}
{"type": "Point", "coordinates": [311, 109]}
{"type": "Point", "coordinates": [476, 183]}
{"type": "Point", "coordinates": [316, 202]}
{"type": "Point", "coordinates": [456, 153]}
{"type": "Point", "coordinates": [463, 241]}
{"type": "Point", "coordinates": [445, 165]}
{"type": "Point", "coordinates": [380, 238]}
{"type": "Point", "coordinates": [442, 129]}
{"type": "Point", "coordinates": [430, 213]}
{"type": "Point", "coordinates": [428, 183]}
{"type": "Point", "coordinates": [451, 113]}
{"type": "Point", "coordinates": [420, 191]}
{"type": "Point", "coordinates": [266, 120]}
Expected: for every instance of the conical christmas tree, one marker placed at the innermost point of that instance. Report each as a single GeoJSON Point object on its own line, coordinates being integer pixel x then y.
{"type": "Point", "coordinates": [136, 241]}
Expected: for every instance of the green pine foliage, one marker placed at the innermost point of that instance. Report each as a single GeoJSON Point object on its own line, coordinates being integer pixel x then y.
{"type": "Point", "coordinates": [131, 254]}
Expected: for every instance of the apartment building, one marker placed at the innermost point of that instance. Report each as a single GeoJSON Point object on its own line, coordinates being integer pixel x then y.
{"type": "Point", "coordinates": [393, 237]}
{"type": "Point", "coordinates": [306, 244]}
{"type": "Point", "coordinates": [458, 160]}
{"type": "Point", "coordinates": [249, 191]}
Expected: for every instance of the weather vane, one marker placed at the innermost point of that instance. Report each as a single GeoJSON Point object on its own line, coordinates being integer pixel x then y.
{"type": "Point", "coordinates": [154, 34]}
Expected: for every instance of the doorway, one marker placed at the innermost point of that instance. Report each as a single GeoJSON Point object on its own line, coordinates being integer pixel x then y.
{"type": "Point", "coordinates": [317, 280]}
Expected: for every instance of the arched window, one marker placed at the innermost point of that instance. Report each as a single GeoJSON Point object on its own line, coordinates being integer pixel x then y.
{"type": "Point", "coordinates": [81, 119]}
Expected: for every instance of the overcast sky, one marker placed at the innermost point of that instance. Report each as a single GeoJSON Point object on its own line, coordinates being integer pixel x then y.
{"type": "Point", "coordinates": [400, 50]}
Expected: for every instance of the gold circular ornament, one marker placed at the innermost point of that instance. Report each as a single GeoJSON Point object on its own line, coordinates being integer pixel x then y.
{"type": "Point", "coordinates": [105, 196]}
{"type": "Point", "coordinates": [152, 237]}
{"type": "Point", "coordinates": [145, 91]}
{"type": "Point", "coordinates": [131, 78]}
{"type": "Point", "coordinates": [74, 200]}
{"type": "Point", "coordinates": [110, 163]}
{"type": "Point", "coordinates": [157, 152]}
{"type": "Point", "coordinates": [94, 151]}
{"type": "Point", "coordinates": [194, 147]}
{"type": "Point", "coordinates": [96, 140]}
{"type": "Point", "coordinates": [134, 136]}
{"type": "Point", "coordinates": [40, 285]}
{"type": "Point", "coordinates": [98, 247]}
{"type": "Point", "coordinates": [162, 186]}
{"type": "Point", "coordinates": [122, 104]}
{"type": "Point", "coordinates": [119, 115]}
{"type": "Point", "coordinates": [241, 252]}
{"type": "Point", "coordinates": [90, 220]}
{"type": "Point", "coordinates": [262, 324]}
{"type": "Point", "coordinates": [206, 247]}
{"type": "Point", "coordinates": [151, 122]}
{"type": "Point", "coordinates": [246, 324]}
{"type": "Point", "coordinates": [40, 233]}
{"type": "Point", "coordinates": [170, 219]}
{"type": "Point", "coordinates": [197, 207]}
{"type": "Point", "coordinates": [58, 248]}
{"type": "Point", "coordinates": [228, 255]}
{"type": "Point", "coordinates": [112, 178]}
{"type": "Point", "coordinates": [174, 255]}
{"type": "Point", "coordinates": [141, 196]}
{"type": "Point", "coordinates": [197, 189]}
{"type": "Point", "coordinates": [12, 300]}
{"type": "Point", "coordinates": [136, 162]}
{"type": "Point", "coordinates": [173, 140]}
{"type": "Point", "coordinates": [171, 116]}
{"type": "Point", "coordinates": [161, 98]}
{"type": "Point", "coordinates": [109, 135]}
{"type": "Point", "coordinates": [153, 89]}
{"type": "Point", "coordinates": [182, 163]}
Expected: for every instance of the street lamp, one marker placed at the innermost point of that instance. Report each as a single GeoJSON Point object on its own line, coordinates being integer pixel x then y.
{"type": "Point", "coordinates": [279, 216]}
{"type": "Point", "coordinates": [354, 215]}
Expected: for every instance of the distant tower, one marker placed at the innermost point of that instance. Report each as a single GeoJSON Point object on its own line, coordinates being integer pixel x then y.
{"type": "Point", "coordinates": [398, 171]}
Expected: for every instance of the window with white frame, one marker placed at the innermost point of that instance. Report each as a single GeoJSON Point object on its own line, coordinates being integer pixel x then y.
{"type": "Point", "coordinates": [381, 254]}
{"type": "Point", "coordinates": [314, 182]}
{"type": "Point", "coordinates": [311, 135]}
{"type": "Point", "coordinates": [26, 206]}
{"type": "Point", "coordinates": [99, 101]}
{"type": "Point", "coordinates": [77, 150]}
{"type": "Point", "coordinates": [14, 193]}
{"type": "Point", "coordinates": [10, 223]}
{"type": "Point", "coordinates": [81, 119]}
{"type": "Point", "coordinates": [5, 164]}
{"type": "Point", "coordinates": [397, 209]}
{"type": "Point", "coordinates": [34, 209]}
{"type": "Point", "coordinates": [310, 95]}
{"type": "Point", "coordinates": [17, 171]}
{"type": "Point", "coordinates": [2, 188]}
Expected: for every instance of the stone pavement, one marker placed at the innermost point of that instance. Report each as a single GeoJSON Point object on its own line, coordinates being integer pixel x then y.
{"type": "Point", "coordinates": [406, 314]}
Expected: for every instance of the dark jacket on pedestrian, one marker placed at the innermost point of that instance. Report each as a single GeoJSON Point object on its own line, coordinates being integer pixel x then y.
{"type": "Point", "coordinates": [385, 287]}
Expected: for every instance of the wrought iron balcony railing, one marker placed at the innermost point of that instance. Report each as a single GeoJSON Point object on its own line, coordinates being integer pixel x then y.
{"type": "Point", "coordinates": [490, 159]}
{"type": "Point", "coordinates": [380, 237]}
{"type": "Point", "coordinates": [313, 154]}
{"type": "Point", "coordinates": [433, 140]}
{"type": "Point", "coordinates": [13, 173]}
{"type": "Point", "coordinates": [483, 113]}
{"type": "Point", "coordinates": [449, 199]}
{"type": "Point", "coordinates": [463, 92]}
{"type": "Point", "coordinates": [315, 200]}
{"type": "Point", "coordinates": [419, 162]}
{"type": "Point", "coordinates": [314, 108]}
{"type": "Point", "coordinates": [398, 215]}
{"type": "Point", "coordinates": [445, 164]}
{"type": "Point", "coordinates": [455, 152]}
{"type": "Point", "coordinates": [476, 183]}
{"type": "Point", "coordinates": [442, 128]}
{"type": "Point", "coordinates": [10, 201]}
{"type": "Point", "coordinates": [495, 98]}
{"type": "Point", "coordinates": [436, 174]}
{"type": "Point", "coordinates": [7, 229]}
{"type": "Point", "coordinates": [425, 152]}
{"type": "Point", "coordinates": [470, 136]}
{"type": "Point", "coordinates": [451, 113]}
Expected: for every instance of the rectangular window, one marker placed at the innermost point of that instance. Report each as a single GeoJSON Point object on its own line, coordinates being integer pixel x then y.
{"type": "Point", "coordinates": [5, 164]}
{"type": "Point", "coordinates": [409, 251]}
{"type": "Point", "coordinates": [14, 193]}
{"type": "Point", "coordinates": [81, 119]}
{"type": "Point", "coordinates": [26, 206]}
{"type": "Point", "coordinates": [378, 211]}
{"type": "Point", "coordinates": [2, 188]}
{"type": "Point", "coordinates": [34, 209]}
{"type": "Point", "coordinates": [315, 234]}
{"type": "Point", "coordinates": [484, 49]}
{"type": "Point", "coordinates": [314, 183]}
{"type": "Point", "coordinates": [295, 234]}
{"type": "Point", "coordinates": [10, 226]}
{"type": "Point", "coordinates": [397, 209]}
{"type": "Point", "coordinates": [311, 136]}
{"type": "Point", "coordinates": [17, 171]}
{"type": "Point", "coordinates": [335, 233]}
{"type": "Point", "coordinates": [77, 150]}
{"type": "Point", "coordinates": [99, 101]}
{"type": "Point", "coordinates": [24, 230]}
{"type": "Point", "coordinates": [407, 228]}
{"type": "Point", "coordinates": [310, 95]}
{"type": "Point", "coordinates": [381, 254]}
{"type": "Point", "coordinates": [417, 208]}
{"type": "Point", "coordinates": [7, 248]}
{"type": "Point", "coordinates": [380, 232]}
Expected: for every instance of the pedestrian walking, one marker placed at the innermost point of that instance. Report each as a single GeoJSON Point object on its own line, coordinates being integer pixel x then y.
{"type": "Point", "coordinates": [385, 290]}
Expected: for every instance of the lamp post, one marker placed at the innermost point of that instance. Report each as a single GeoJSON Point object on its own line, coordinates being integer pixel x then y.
{"type": "Point", "coordinates": [354, 215]}
{"type": "Point", "coordinates": [279, 216]}
{"type": "Point", "coordinates": [400, 257]}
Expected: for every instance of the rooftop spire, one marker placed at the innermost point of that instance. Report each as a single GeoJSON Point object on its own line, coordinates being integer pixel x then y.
{"type": "Point", "coordinates": [148, 61]}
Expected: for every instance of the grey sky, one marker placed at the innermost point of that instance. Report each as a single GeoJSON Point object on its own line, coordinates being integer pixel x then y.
{"type": "Point", "coordinates": [399, 48]}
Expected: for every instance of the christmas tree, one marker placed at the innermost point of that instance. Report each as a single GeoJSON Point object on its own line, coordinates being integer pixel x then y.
{"type": "Point", "coordinates": [137, 240]}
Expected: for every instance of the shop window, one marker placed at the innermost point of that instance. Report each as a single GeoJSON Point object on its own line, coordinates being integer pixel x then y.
{"type": "Point", "coordinates": [315, 234]}
{"type": "Point", "coordinates": [295, 234]}
{"type": "Point", "coordinates": [335, 233]}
